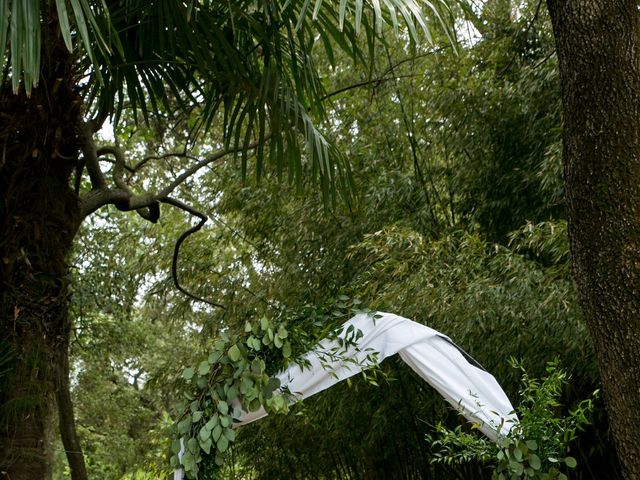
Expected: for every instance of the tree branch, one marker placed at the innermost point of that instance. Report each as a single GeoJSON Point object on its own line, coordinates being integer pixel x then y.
{"type": "Point", "coordinates": [176, 251]}
{"type": "Point", "coordinates": [383, 78]}
{"type": "Point", "coordinates": [146, 160]}
{"type": "Point", "coordinates": [66, 417]}
{"type": "Point", "coordinates": [165, 192]}
{"type": "Point", "coordinates": [91, 156]}
{"type": "Point", "coordinates": [125, 200]}
{"type": "Point", "coordinates": [119, 165]}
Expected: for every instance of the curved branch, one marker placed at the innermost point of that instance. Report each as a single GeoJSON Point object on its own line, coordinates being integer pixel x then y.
{"type": "Point", "coordinates": [91, 156]}
{"type": "Point", "coordinates": [125, 199]}
{"type": "Point", "coordinates": [119, 165]}
{"type": "Point", "coordinates": [176, 251]}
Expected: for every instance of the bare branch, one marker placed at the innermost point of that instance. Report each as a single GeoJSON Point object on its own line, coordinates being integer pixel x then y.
{"type": "Point", "coordinates": [122, 196]}
{"type": "Point", "coordinates": [374, 81]}
{"type": "Point", "coordinates": [176, 251]}
{"type": "Point", "coordinates": [165, 192]}
{"type": "Point", "coordinates": [384, 77]}
{"type": "Point", "coordinates": [146, 160]}
{"type": "Point", "coordinates": [109, 160]}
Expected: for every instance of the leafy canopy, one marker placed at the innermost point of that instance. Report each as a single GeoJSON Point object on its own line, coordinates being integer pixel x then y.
{"type": "Point", "coordinates": [249, 61]}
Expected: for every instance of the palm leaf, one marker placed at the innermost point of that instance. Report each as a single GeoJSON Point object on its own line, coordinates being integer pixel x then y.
{"type": "Point", "coordinates": [246, 62]}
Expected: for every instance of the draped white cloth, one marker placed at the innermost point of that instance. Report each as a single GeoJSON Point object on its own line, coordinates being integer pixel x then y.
{"type": "Point", "coordinates": [474, 392]}
{"type": "Point", "coordinates": [471, 390]}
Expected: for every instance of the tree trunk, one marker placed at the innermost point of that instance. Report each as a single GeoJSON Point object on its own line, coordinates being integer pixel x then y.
{"type": "Point", "coordinates": [598, 44]}
{"type": "Point", "coordinates": [39, 217]}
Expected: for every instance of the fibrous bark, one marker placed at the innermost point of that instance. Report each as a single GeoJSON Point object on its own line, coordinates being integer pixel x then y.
{"type": "Point", "coordinates": [39, 217]}
{"type": "Point", "coordinates": [598, 44]}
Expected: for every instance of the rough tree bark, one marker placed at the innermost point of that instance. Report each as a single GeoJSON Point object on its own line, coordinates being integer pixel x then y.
{"type": "Point", "coordinates": [598, 44]}
{"type": "Point", "coordinates": [39, 217]}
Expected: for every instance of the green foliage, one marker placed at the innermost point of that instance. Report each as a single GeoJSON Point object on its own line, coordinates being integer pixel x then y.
{"type": "Point", "coordinates": [244, 64]}
{"type": "Point", "coordinates": [458, 224]}
{"type": "Point", "coordinates": [538, 446]}
{"type": "Point", "coordinates": [238, 375]}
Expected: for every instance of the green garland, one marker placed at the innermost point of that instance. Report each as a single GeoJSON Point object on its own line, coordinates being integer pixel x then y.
{"type": "Point", "coordinates": [238, 375]}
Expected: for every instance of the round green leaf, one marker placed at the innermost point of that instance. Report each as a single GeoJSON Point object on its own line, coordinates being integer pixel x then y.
{"type": "Point", "coordinates": [206, 445]}
{"type": "Point", "coordinates": [234, 353]}
{"type": "Point", "coordinates": [282, 332]}
{"type": "Point", "coordinates": [192, 445]}
{"type": "Point", "coordinates": [217, 431]}
{"type": "Point", "coordinates": [222, 444]}
{"type": "Point", "coordinates": [230, 433]}
{"type": "Point", "coordinates": [571, 462]}
{"type": "Point", "coordinates": [286, 350]}
{"type": "Point", "coordinates": [175, 446]}
{"type": "Point", "coordinates": [204, 367]}
{"type": "Point", "coordinates": [184, 425]}
{"type": "Point", "coordinates": [534, 462]}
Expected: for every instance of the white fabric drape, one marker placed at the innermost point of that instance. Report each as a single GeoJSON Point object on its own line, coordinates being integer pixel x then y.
{"type": "Point", "coordinates": [471, 390]}
{"type": "Point", "coordinates": [432, 355]}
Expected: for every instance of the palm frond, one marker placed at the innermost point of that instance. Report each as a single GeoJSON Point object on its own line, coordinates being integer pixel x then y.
{"type": "Point", "coordinates": [247, 62]}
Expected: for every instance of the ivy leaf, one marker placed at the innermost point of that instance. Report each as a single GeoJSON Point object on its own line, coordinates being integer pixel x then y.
{"type": "Point", "coordinates": [214, 357]}
{"type": "Point", "coordinates": [273, 384]}
{"type": "Point", "coordinates": [571, 462]}
{"type": "Point", "coordinates": [232, 394]}
{"type": "Point", "coordinates": [188, 373]}
{"type": "Point", "coordinates": [188, 460]}
{"type": "Point", "coordinates": [282, 332]}
{"type": "Point", "coordinates": [196, 417]}
{"type": "Point", "coordinates": [205, 433]}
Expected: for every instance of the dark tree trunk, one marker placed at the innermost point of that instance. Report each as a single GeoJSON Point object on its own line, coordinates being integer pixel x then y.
{"type": "Point", "coordinates": [39, 218]}
{"type": "Point", "coordinates": [598, 44]}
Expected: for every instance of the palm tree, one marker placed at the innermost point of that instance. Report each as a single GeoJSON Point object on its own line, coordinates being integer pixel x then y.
{"type": "Point", "coordinates": [68, 66]}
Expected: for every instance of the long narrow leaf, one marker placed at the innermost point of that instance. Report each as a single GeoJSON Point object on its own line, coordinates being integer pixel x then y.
{"type": "Point", "coordinates": [5, 13]}
{"type": "Point", "coordinates": [63, 18]}
{"type": "Point", "coordinates": [16, 48]}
